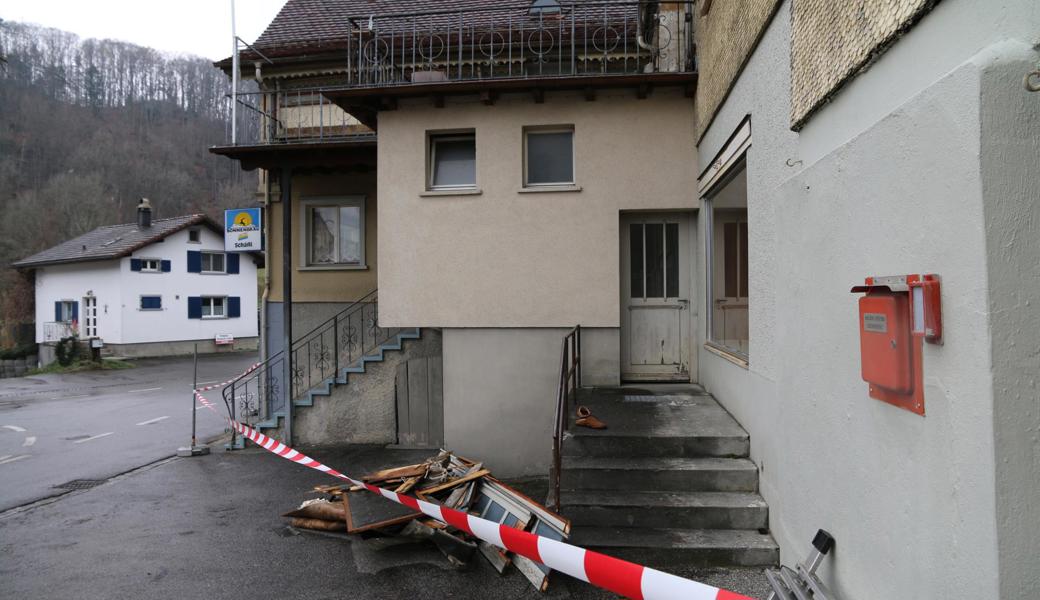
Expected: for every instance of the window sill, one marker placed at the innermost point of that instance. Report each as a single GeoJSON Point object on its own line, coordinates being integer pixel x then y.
{"type": "Point", "coordinates": [537, 189]}
{"type": "Point", "coordinates": [213, 318]}
{"type": "Point", "coordinates": [212, 272]}
{"type": "Point", "coordinates": [456, 192]}
{"type": "Point", "coordinates": [740, 361]}
{"type": "Point", "coordinates": [332, 268]}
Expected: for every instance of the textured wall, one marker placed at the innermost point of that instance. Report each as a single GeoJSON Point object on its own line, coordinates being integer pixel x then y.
{"type": "Point", "coordinates": [725, 38]}
{"type": "Point", "coordinates": [832, 41]}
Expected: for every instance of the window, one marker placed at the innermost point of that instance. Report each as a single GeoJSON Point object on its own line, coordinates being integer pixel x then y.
{"type": "Point", "coordinates": [548, 156]}
{"type": "Point", "coordinates": [544, 7]}
{"type": "Point", "coordinates": [212, 262]}
{"type": "Point", "coordinates": [452, 161]}
{"type": "Point", "coordinates": [66, 311]}
{"type": "Point", "coordinates": [151, 302]}
{"type": "Point", "coordinates": [150, 265]}
{"type": "Point", "coordinates": [214, 307]}
{"type": "Point", "coordinates": [194, 236]}
{"type": "Point", "coordinates": [654, 254]}
{"type": "Point", "coordinates": [335, 232]}
{"type": "Point", "coordinates": [726, 228]}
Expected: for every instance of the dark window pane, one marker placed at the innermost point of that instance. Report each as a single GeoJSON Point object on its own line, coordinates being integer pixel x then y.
{"type": "Point", "coordinates": [635, 241]}
{"type": "Point", "coordinates": [655, 260]}
{"type": "Point", "coordinates": [729, 250]}
{"type": "Point", "coordinates": [550, 157]}
{"type": "Point", "coordinates": [454, 162]}
{"type": "Point", "coordinates": [743, 260]}
{"type": "Point", "coordinates": [671, 260]}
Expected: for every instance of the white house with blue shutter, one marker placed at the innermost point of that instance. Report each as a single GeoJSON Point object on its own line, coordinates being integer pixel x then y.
{"type": "Point", "coordinates": [150, 288]}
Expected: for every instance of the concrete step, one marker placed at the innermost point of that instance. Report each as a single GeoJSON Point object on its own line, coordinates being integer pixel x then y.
{"type": "Point", "coordinates": [664, 424]}
{"type": "Point", "coordinates": [667, 548]}
{"type": "Point", "coordinates": [693, 510]}
{"type": "Point", "coordinates": [659, 474]}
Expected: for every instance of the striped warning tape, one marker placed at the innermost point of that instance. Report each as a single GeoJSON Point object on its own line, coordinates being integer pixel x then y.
{"type": "Point", "coordinates": [613, 574]}
{"type": "Point", "coordinates": [251, 368]}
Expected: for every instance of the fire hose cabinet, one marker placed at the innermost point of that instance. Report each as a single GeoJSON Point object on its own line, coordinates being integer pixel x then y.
{"type": "Point", "coordinates": [896, 314]}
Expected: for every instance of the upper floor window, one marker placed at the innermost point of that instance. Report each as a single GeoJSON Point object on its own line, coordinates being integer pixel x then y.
{"type": "Point", "coordinates": [334, 232]}
{"type": "Point", "coordinates": [194, 236]}
{"type": "Point", "coordinates": [452, 161]}
{"type": "Point", "coordinates": [150, 265]}
{"type": "Point", "coordinates": [544, 8]}
{"type": "Point", "coordinates": [213, 262]}
{"type": "Point", "coordinates": [548, 156]}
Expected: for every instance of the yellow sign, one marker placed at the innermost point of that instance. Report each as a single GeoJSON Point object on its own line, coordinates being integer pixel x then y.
{"type": "Point", "coordinates": [243, 219]}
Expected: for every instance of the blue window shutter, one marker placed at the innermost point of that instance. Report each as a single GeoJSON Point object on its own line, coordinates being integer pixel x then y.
{"type": "Point", "coordinates": [75, 311]}
{"type": "Point", "coordinates": [165, 266]}
{"type": "Point", "coordinates": [194, 261]}
{"type": "Point", "coordinates": [135, 264]}
{"type": "Point", "coordinates": [57, 311]}
{"type": "Point", "coordinates": [151, 302]}
{"type": "Point", "coordinates": [232, 263]}
{"type": "Point", "coordinates": [234, 307]}
{"type": "Point", "coordinates": [194, 307]}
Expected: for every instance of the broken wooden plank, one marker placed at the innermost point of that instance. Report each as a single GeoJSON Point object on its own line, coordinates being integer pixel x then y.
{"type": "Point", "coordinates": [402, 472]}
{"type": "Point", "coordinates": [368, 511]}
{"type": "Point", "coordinates": [455, 482]}
{"type": "Point", "coordinates": [317, 524]}
{"type": "Point", "coordinates": [498, 559]}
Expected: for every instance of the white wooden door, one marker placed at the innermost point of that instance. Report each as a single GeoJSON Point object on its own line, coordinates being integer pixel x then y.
{"type": "Point", "coordinates": [655, 297]}
{"type": "Point", "coordinates": [89, 317]}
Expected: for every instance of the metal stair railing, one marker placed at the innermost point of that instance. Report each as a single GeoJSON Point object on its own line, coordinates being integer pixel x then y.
{"type": "Point", "coordinates": [567, 387]}
{"type": "Point", "coordinates": [318, 357]}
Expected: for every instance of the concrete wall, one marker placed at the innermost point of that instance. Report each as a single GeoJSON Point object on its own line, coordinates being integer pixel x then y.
{"type": "Point", "coordinates": [887, 179]}
{"type": "Point", "coordinates": [323, 284]}
{"type": "Point", "coordinates": [505, 258]}
{"type": "Point", "coordinates": [180, 348]}
{"type": "Point", "coordinates": [500, 391]}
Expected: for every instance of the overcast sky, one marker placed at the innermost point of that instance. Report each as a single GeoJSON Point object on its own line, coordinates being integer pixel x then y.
{"type": "Point", "coordinates": [200, 27]}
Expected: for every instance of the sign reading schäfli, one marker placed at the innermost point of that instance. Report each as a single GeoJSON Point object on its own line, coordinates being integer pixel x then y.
{"type": "Point", "coordinates": [243, 231]}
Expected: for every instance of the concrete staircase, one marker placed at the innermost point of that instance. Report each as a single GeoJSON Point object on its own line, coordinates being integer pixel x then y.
{"type": "Point", "coordinates": [326, 387]}
{"type": "Point", "coordinates": [668, 483]}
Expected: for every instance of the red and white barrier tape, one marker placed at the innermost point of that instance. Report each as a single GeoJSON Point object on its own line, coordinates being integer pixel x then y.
{"type": "Point", "coordinates": [613, 574]}
{"type": "Point", "coordinates": [251, 368]}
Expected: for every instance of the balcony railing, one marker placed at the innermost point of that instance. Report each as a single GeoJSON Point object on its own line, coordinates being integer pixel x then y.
{"type": "Point", "coordinates": [532, 41]}
{"type": "Point", "coordinates": [55, 331]}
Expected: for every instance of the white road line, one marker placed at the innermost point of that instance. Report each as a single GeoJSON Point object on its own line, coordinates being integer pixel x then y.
{"type": "Point", "coordinates": [14, 428]}
{"type": "Point", "coordinates": [144, 390]}
{"type": "Point", "coordinates": [29, 441]}
{"type": "Point", "coordinates": [93, 437]}
{"type": "Point", "coordinates": [70, 397]}
{"type": "Point", "coordinates": [4, 457]}
{"type": "Point", "coordinates": [209, 382]}
{"type": "Point", "coordinates": [155, 420]}
{"type": "Point", "coordinates": [199, 407]}
{"type": "Point", "coordinates": [11, 460]}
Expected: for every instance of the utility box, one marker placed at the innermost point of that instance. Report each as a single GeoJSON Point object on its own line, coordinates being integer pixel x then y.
{"type": "Point", "coordinates": [884, 341]}
{"type": "Point", "coordinates": [896, 315]}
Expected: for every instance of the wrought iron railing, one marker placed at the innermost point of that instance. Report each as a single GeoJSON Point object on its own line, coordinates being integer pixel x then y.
{"type": "Point", "coordinates": [521, 40]}
{"type": "Point", "coordinates": [540, 40]}
{"type": "Point", "coordinates": [566, 388]}
{"type": "Point", "coordinates": [320, 354]}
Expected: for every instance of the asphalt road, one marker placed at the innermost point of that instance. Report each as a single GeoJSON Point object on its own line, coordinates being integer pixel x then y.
{"type": "Point", "coordinates": [94, 425]}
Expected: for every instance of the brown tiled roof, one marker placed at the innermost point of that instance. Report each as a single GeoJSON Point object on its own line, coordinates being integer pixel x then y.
{"type": "Point", "coordinates": [113, 241]}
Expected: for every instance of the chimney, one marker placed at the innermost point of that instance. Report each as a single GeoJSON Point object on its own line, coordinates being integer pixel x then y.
{"type": "Point", "coordinates": [144, 214]}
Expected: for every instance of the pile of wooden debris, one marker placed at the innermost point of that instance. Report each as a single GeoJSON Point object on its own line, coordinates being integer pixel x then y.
{"type": "Point", "coordinates": [446, 480]}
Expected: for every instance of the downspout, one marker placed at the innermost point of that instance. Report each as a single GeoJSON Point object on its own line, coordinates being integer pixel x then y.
{"type": "Point", "coordinates": [641, 42]}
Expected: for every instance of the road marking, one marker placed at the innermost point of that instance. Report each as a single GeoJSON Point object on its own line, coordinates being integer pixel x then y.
{"type": "Point", "coordinates": [199, 407]}
{"type": "Point", "coordinates": [209, 382]}
{"type": "Point", "coordinates": [155, 420]}
{"type": "Point", "coordinates": [14, 428]}
{"type": "Point", "coordinates": [70, 397]}
{"type": "Point", "coordinates": [11, 460]}
{"type": "Point", "coordinates": [93, 437]}
{"type": "Point", "coordinates": [6, 456]}
{"type": "Point", "coordinates": [144, 390]}
{"type": "Point", "coordinates": [29, 441]}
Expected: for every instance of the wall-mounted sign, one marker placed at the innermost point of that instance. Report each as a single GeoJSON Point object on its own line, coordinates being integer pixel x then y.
{"type": "Point", "coordinates": [243, 231]}
{"type": "Point", "coordinates": [223, 339]}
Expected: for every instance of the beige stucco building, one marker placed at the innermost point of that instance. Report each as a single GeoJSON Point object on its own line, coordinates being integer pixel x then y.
{"type": "Point", "coordinates": [699, 192]}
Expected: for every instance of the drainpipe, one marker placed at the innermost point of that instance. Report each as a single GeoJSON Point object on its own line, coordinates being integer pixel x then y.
{"type": "Point", "coordinates": [641, 42]}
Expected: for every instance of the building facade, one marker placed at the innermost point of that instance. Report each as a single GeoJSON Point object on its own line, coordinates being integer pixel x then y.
{"type": "Point", "coordinates": [146, 290]}
{"type": "Point", "coordinates": [703, 218]}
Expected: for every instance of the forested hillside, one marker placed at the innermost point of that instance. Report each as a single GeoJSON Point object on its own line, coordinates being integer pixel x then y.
{"type": "Point", "coordinates": [88, 127]}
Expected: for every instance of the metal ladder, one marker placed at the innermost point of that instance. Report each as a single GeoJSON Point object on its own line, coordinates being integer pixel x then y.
{"type": "Point", "coordinates": [801, 582]}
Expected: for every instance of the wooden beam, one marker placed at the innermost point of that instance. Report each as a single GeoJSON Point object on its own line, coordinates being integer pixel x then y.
{"type": "Point", "coordinates": [438, 100]}
{"type": "Point", "coordinates": [539, 95]}
{"type": "Point", "coordinates": [590, 94]}
{"type": "Point", "coordinates": [388, 103]}
{"type": "Point", "coordinates": [643, 90]}
{"type": "Point", "coordinates": [488, 97]}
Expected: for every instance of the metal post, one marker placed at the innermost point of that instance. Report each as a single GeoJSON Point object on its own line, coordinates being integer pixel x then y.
{"type": "Point", "coordinates": [194, 449]}
{"type": "Point", "coordinates": [287, 337]}
{"type": "Point", "coordinates": [234, 78]}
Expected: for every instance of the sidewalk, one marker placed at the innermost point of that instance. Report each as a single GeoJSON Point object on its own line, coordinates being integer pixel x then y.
{"type": "Point", "coordinates": [210, 527]}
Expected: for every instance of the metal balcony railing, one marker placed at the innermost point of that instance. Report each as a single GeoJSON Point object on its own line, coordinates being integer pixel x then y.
{"type": "Point", "coordinates": [532, 41]}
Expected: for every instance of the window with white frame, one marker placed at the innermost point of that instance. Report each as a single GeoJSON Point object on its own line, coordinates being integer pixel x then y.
{"type": "Point", "coordinates": [213, 262]}
{"type": "Point", "coordinates": [452, 161]}
{"type": "Point", "coordinates": [67, 311]}
{"type": "Point", "coordinates": [334, 232]}
{"type": "Point", "coordinates": [151, 265]}
{"type": "Point", "coordinates": [548, 156]}
{"type": "Point", "coordinates": [214, 307]}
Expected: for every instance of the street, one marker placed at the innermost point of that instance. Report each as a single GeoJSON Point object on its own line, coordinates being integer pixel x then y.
{"type": "Point", "coordinates": [93, 425]}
